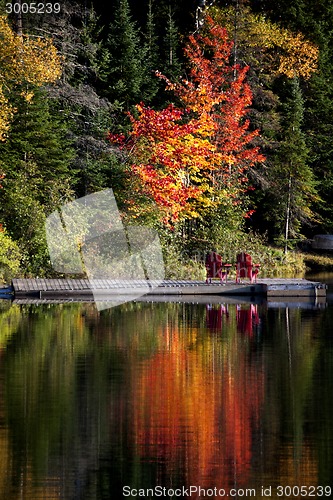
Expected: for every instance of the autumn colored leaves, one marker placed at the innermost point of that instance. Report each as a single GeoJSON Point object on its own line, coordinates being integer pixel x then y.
{"type": "Point", "coordinates": [188, 158]}
{"type": "Point", "coordinates": [25, 62]}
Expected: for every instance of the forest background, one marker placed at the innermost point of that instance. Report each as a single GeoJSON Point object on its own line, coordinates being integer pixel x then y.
{"type": "Point", "coordinates": [211, 123]}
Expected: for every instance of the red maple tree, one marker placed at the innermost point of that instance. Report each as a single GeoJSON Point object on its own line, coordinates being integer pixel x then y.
{"type": "Point", "coordinates": [172, 158]}
{"type": "Point", "coordinates": [217, 93]}
{"type": "Point", "coordinates": [192, 158]}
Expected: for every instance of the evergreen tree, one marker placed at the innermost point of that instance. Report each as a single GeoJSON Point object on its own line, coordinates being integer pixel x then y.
{"type": "Point", "coordinates": [320, 132]}
{"type": "Point", "coordinates": [36, 162]}
{"type": "Point", "coordinates": [151, 84]}
{"type": "Point", "coordinates": [294, 189]}
{"type": "Point", "coordinates": [89, 48]}
{"type": "Point", "coordinates": [124, 68]}
{"type": "Point", "coordinates": [319, 108]}
{"type": "Point", "coordinates": [39, 136]}
{"type": "Point", "coordinates": [315, 20]}
{"type": "Point", "coordinates": [172, 67]}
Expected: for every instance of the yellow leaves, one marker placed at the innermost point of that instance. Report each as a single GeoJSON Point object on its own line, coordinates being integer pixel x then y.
{"type": "Point", "coordinates": [28, 96]}
{"type": "Point", "coordinates": [296, 56]}
{"type": "Point", "coordinates": [41, 61]}
{"type": "Point", "coordinates": [301, 57]}
{"type": "Point", "coordinates": [23, 60]}
{"type": "Point", "coordinates": [283, 51]}
{"type": "Point", "coordinates": [6, 113]}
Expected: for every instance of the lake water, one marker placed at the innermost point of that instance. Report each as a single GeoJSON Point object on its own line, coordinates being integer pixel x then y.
{"type": "Point", "coordinates": [166, 400]}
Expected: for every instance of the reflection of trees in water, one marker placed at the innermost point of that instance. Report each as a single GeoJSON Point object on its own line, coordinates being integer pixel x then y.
{"type": "Point", "coordinates": [197, 411]}
{"type": "Point", "coordinates": [151, 392]}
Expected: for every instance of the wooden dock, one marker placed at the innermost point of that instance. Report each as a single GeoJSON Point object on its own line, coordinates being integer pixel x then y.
{"type": "Point", "coordinates": [108, 288]}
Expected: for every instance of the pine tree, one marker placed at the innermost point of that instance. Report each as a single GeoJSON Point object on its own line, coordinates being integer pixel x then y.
{"type": "Point", "coordinates": [320, 132]}
{"type": "Point", "coordinates": [315, 20]}
{"type": "Point", "coordinates": [172, 67]}
{"type": "Point", "coordinates": [89, 48]}
{"type": "Point", "coordinates": [36, 162]}
{"type": "Point", "coordinates": [124, 68]}
{"type": "Point", "coordinates": [294, 187]}
{"type": "Point", "coordinates": [319, 109]}
{"type": "Point", "coordinates": [39, 136]}
{"type": "Point", "coordinates": [151, 84]}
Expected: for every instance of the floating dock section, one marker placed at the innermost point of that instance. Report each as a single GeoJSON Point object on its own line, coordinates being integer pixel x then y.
{"type": "Point", "coordinates": [108, 288]}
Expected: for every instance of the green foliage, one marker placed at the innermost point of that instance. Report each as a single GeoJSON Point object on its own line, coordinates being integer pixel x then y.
{"type": "Point", "coordinates": [124, 68]}
{"type": "Point", "coordinates": [318, 122]}
{"type": "Point", "coordinates": [151, 84]}
{"type": "Point", "coordinates": [172, 67]}
{"type": "Point", "coordinates": [10, 257]}
{"type": "Point", "coordinates": [25, 217]}
{"type": "Point", "coordinates": [56, 147]}
{"type": "Point", "coordinates": [35, 160]}
{"type": "Point", "coordinates": [89, 50]}
{"type": "Point", "coordinates": [290, 200]}
{"type": "Point", "coordinates": [296, 185]}
{"type": "Point", "coordinates": [40, 137]}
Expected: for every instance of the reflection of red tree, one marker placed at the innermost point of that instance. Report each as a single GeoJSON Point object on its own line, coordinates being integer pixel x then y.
{"type": "Point", "coordinates": [188, 414]}
{"type": "Point", "coordinates": [242, 398]}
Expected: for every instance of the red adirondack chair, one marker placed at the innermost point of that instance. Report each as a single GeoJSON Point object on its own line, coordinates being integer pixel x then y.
{"type": "Point", "coordinates": [215, 267]}
{"type": "Point", "coordinates": [245, 268]}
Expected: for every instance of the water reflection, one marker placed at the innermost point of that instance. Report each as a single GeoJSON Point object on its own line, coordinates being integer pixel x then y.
{"type": "Point", "coordinates": [247, 318]}
{"type": "Point", "coordinates": [200, 402]}
{"type": "Point", "coordinates": [226, 395]}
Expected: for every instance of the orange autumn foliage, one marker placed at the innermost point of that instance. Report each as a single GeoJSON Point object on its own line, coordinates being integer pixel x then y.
{"type": "Point", "coordinates": [218, 94]}
{"type": "Point", "coordinates": [192, 158]}
{"type": "Point", "coordinates": [188, 412]}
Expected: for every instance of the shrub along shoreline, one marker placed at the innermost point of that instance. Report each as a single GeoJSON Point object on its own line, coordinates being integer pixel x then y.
{"type": "Point", "coordinates": [188, 261]}
{"type": "Point", "coordinates": [273, 263]}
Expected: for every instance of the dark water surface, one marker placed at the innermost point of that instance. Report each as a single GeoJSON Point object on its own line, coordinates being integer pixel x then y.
{"type": "Point", "coordinates": [228, 398]}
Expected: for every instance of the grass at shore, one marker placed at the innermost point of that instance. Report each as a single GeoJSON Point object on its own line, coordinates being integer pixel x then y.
{"type": "Point", "coordinates": [318, 262]}
{"type": "Point", "coordinates": [273, 263]}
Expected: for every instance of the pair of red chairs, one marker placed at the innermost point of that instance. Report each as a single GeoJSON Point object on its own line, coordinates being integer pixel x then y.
{"type": "Point", "coordinates": [244, 268]}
